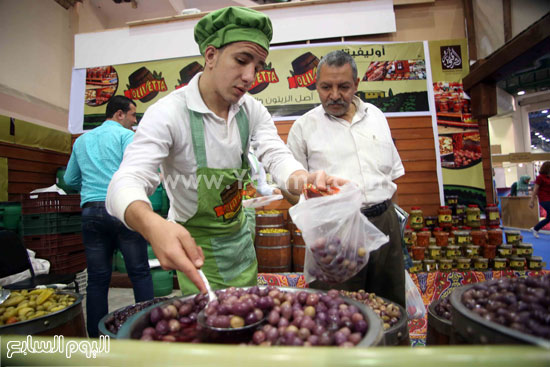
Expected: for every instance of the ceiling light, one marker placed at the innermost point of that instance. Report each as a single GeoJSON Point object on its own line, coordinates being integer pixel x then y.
{"type": "Point", "coordinates": [548, 116]}
{"type": "Point", "coordinates": [537, 133]}
{"type": "Point", "coordinates": [521, 93]}
{"type": "Point", "coordinates": [509, 170]}
{"type": "Point", "coordinates": [544, 111]}
{"type": "Point", "coordinates": [521, 164]}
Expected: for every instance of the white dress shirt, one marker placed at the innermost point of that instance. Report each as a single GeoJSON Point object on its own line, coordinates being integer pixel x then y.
{"type": "Point", "coordinates": [163, 139]}
{"type": "Point", "coordinates": [361, 151]}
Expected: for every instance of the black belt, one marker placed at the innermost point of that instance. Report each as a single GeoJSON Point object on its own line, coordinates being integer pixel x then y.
{"type": "Point", "coordinates": [94, 204]}
{"type": "Point", "coordinates": [377, 209]}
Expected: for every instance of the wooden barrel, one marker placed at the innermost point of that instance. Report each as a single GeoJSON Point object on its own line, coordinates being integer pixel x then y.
{"type": "Point", "coordinates": [264, 219]}
{"type": "Point", "coordinates": [304, 63]}
{"type": "Point", "coordinates": [268, 226]}
{"type": "Point", "coordinates": [273, 251]}
{"type": "Point", "coordinates": [189, 71]}
{"type": "Point", "coordinates": [298, 252]}
{"type": "Point", "coordinates": [140, 76]}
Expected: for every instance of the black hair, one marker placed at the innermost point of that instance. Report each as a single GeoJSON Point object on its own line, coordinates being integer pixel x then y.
{"type": "Point", "coordinates": [118, 103]}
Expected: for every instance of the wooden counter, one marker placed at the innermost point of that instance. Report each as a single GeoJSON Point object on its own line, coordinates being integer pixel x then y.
{"type": "Point", "coordinates": [516, 212]}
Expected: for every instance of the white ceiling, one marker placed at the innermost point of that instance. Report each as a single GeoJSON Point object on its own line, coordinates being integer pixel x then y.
{"type": "Point", "coordinates": [117, 15]}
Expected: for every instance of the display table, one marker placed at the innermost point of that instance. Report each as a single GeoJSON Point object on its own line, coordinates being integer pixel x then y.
{"type": "Point", "coordinates": [516, 212]}
{"type": "Point", "coordinates": [432, 286]}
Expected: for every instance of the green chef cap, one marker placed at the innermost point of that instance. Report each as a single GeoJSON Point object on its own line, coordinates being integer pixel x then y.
{"type": "Point", "coordinates": [233, 24]}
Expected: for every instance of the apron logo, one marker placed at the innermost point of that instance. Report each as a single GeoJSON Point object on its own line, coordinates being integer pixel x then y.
{"type": "Point", "coordinates": [231, 199]}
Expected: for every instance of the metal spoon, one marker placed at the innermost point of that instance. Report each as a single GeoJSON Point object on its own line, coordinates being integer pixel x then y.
{"type": "Point", "coordinates": [211, 294]}
{"type": "Point", "coordinates": [4, 295]}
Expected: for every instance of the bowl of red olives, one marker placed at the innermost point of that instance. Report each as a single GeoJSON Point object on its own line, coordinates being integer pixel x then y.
{"type": "Point", "coordinates": [280, 317]}
{"type": "Point", "coordinates": [503, 311]}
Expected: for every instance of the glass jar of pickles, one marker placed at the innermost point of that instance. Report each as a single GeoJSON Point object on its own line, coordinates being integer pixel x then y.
{"type": "Point", "coordinates": [418, 252]}
{"type": "Point", "coordinates": [471, 251]}
{"type": "Point", "coordinates": [451, 199]}
{"type": "Point", "coordinates": [512, 237]}
{"type": "Point", "coordinates": [452, 252]}
{"type": "Point", "coordinates": [517, 263]}
{"type": "Point", "coordinates": [495, 236]}
{"type": "Point", "coordinates": [441, 238]}
{"type": "Point", "coordinates": [456, 220]}
{"type": "Point", "coordinates": [535, 263]}
{"type": "Point", "coordinates": [492, 214]}
{"type": "Point", "coordinates": [524, 249]}
{"type": "Point", "coordinates": [408, 236]}
{"type": "Point", "coordinates": [489, 252]}
{"type": "Point", "coordinates": [445, 264]}
{"type": "Point", "coordinates": [417, 218]}
{"type": "Point", "coordinates": [445, 217]}
{"type": "Point", "coordinates": [430, 222]}
{"type": "Point", "coordinates": [423, 237]}
{"type": "Point", "coordinates": [481, 264]}
{"type": "Point", "coordinates": [463, 264]}
{"type": "Point", "coordinates": [429, 265]}
{"type": "Point", "coordinates": [462, 237]}
{"type": "Point", "coordinates": [479, 237]}
{"type": "Point", "coordinates": [473, 218]}
{"type": "Point", "coordinates": [460, 210]}
{"type": "Point", "coordinates": [434, 252]}
{"type": "Point", "coordinates": [505, 251]}
{"type": "Point", "coordinates": [499, 263]}
{"type": "Point", "coordinates": [416, 266]}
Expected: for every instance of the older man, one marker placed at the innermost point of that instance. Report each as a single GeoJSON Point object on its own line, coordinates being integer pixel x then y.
{"type": "Point", "coordinates": [351, 139]}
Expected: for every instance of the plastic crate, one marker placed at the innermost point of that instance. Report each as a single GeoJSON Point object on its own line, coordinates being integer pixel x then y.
{"type": "Point", "coordinates": [67, 263]}
{"type": "Point", "coordinates": [37, 224]}
{"type": "Point", "coordinates": [54, 244]}
{"type": "Point", "coordinates": [50, 202]}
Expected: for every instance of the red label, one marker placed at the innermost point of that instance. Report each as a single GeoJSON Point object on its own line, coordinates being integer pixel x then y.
{"type": "Point", "coordinates": [303, 80]}
{"type": "Point", "coordinates": [158, 85]}
{"type": "Point", "coordinates": [265, 76]}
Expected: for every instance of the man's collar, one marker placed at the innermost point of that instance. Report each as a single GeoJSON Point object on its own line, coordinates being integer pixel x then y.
{"type": "Point", "coordinates": [195, 101]}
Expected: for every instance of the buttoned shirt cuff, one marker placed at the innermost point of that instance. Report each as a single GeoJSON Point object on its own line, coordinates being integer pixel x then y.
{"type": "Point", "coordinates": [118, 203]}
{"type": "Point", "coordinates": [284, 172]}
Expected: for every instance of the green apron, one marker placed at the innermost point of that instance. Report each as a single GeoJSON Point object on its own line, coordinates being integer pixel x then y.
{"type": "Point", "coordinates": [219, 226]}
{"type": "Point", "coordinates": [250, 213]}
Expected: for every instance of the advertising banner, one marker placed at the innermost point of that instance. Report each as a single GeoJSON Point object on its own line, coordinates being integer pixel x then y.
{"type": "Point", "coordinates": [459, 143]}
{"type": "Point", "coordinates": [392, 77]}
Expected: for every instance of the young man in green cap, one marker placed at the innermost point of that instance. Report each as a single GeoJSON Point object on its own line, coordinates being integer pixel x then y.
{"type": "Point", "coordinates": [199, 135]}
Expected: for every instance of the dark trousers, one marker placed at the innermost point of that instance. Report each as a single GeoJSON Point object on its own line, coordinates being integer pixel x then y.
{"type": "Point", "coordinates": [545, 221]}
{"type": "Point", "coordinates": [384, 273]}
{"type": "Point", "coordinates": [101, 234]}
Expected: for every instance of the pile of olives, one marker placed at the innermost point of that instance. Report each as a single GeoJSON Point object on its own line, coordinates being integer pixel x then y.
{"type": "Point", "coordinates": [119, 317]}
{"type": "Point", "coordinates": [28, 304]}
{"type": "Point", "coordinates": [522, 304]}
{"type": "Point", "coordinates": [334, 262]}
{"type": "Point", "coordinates": [443, 308]}
{"type": "Point", "coordinates": [389, 312]}
{"type": "Point", "coordinates": [291, 318]}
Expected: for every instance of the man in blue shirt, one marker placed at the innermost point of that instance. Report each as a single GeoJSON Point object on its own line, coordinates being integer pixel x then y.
{"type": "Point", "coordinates": [95, 158]}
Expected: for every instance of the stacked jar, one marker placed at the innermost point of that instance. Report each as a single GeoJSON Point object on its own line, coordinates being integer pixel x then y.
{"type": "Point", "coordinates": [473, 216]}
{"type": "Point", "coordinates": [492, 214]}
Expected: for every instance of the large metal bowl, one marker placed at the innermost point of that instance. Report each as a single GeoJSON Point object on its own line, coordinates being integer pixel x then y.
{"type": "Point", "coordinates": [474, 329]}
{"type": "Point", "coordinates": [439, 328]}
{"type": "Point", "coordinates": [133, 327]}
{"type": "Point", "coordinates": [67, 322]}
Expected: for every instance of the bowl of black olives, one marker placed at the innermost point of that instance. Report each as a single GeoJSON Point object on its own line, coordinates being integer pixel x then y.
{"type": "Point", "coordinates": [503, 311]}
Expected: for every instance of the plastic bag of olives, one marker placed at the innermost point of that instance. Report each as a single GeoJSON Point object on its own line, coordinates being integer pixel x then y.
{"type": "Point", "coordinates": [338, 237]}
